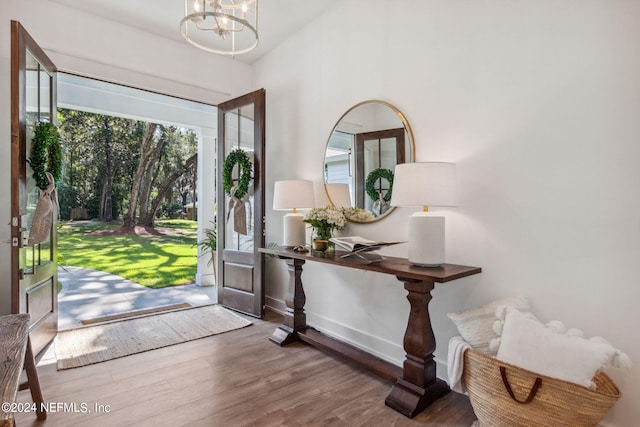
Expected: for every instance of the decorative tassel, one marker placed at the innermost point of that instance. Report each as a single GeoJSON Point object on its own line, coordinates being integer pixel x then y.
{"type": "Point", "coordinates": [621, 360]}
{"type": "Point", "coordinates": [557, 326]}
{"type": "Point", "coordinates": [573, 332]}
{"type": "Point", "coordinates": [600, 340]}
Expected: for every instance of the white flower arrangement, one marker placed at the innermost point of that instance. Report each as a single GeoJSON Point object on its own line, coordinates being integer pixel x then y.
{"type": "Point", "coordinates": [327, 217]}
{"type": "Point", "coordinates": [358, 214]}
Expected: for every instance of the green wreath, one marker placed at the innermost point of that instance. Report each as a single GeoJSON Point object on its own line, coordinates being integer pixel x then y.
{"type": "Point", "coordinates": [244, 162]}
{"type": "Point", "coordinates": [373, 177]}
{"type": "Point", "coordinates": [46, 154]}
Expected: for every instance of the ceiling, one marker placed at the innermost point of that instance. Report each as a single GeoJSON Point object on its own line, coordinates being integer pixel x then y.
{"type": "Point", "coordinates": [277, 19]}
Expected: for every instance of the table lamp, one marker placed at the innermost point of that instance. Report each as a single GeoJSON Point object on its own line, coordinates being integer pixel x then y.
{"type": "Point", "coordinates": [425, 184]}
{"type": "Point", "coordinates": [339, 195]}
{"type": "Point", "coordinates": [293, 195]}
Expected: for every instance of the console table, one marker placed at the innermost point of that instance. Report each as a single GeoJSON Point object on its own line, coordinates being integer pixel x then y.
{"type": "Point", "coordinates": [416, 383]}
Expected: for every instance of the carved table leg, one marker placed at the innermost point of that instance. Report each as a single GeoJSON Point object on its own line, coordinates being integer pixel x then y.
{"type": "Point", "coordinates": [294, 317]}
{"type": "Point", "coordinates": [419, 385]}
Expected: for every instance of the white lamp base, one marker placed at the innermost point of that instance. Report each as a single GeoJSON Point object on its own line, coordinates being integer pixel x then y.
{"type": "Point", "coordinates": [294, 234]}
{"type": "Point", "coordinates": [426, 239]}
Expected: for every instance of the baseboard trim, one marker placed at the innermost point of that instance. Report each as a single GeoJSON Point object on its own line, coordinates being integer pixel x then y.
{"type": "Point", "coordinates": [275, 305]}
{"type": "Point", "coordinates": [365, 341]}
{"type": "Point", "coordinates": [379, 347]}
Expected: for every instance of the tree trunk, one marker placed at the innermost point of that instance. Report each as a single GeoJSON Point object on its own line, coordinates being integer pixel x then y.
{"type": "Point", "coordinates": [106, 211]}
{"type": "Point", "coordinates": [148, 180]}
{"type": "Point", "coordinates": [106, 201]}
{"type": "Point", "coordinates": [145, 155]}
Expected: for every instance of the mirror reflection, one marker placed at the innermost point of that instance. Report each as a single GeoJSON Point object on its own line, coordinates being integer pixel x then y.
{"type": "Point", "coordinates": [364, 147]}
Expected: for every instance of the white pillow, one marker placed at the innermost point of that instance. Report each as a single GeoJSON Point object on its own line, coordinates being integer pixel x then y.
{"type": "Point", "coordinates": [476, 325]}
{"type": "Point", "coordinates": [527, 343]}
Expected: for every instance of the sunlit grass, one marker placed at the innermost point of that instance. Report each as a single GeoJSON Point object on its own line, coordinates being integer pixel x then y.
{"type": "Point", "coordinates": [153, 261]}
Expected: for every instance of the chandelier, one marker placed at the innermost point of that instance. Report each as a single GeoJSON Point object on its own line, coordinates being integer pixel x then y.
{"type": "Point", "coordinates": [226, 27]}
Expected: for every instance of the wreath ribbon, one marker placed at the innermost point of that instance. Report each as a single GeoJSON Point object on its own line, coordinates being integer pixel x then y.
{"type": "Point", "coordinates": [46, 209]}
{"type": "Point", "coordinates": [238, 207]}
{"type": "Point", "coordinates": [380, 206]}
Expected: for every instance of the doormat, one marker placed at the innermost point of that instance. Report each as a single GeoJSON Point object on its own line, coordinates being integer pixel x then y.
{"type": "Point", "coordinates": [99, 343]}
{"type": "Point", "coordinates": [135, 313]}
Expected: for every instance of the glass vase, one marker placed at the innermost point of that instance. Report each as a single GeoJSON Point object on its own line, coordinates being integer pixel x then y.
{"type": "Point", "coordinates": [320, 239]}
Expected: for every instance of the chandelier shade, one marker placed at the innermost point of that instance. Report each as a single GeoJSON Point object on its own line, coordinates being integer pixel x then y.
{"type": "Point", "coordinates": [226, 27]}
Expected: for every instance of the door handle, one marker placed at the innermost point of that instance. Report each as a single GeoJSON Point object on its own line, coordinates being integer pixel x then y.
{"type": "Point", "coordinates": [12, 242]}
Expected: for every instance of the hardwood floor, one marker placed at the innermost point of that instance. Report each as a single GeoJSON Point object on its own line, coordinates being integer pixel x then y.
{"type": "Point", "coordinates": [239, 378]}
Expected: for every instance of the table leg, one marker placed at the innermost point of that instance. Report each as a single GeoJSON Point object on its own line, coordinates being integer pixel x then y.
{"type": "Point", "coordinates": [294, 317]}
{"type": "Point", "coordinates": [419, 385]}
{"type": "Point", "coordinates": [34, 382]}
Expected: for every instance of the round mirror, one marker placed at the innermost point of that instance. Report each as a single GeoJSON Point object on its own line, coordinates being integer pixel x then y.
{"type": "Point", "coordinates": [363, 149]}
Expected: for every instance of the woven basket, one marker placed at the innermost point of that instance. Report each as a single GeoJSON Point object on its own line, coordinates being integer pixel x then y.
{"type": "Point", "coordinates": [552, 402]}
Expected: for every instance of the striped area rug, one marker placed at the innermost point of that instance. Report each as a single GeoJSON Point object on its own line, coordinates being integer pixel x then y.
{"type": "Point", "coordinates": [99, 343]}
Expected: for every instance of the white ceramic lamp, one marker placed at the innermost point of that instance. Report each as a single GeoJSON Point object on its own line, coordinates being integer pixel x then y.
{"type": "Point", "coordinates": [425, 184]}
{"type": "Point", "coordinates": [293, 195]}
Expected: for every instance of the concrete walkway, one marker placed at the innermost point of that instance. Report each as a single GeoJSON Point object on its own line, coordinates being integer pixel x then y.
{"type": "Point", "coordinates": [88, 294]}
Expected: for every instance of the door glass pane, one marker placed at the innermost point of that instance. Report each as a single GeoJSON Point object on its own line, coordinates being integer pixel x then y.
{"type": "Point", "coordinates": [379, 154]}
{"type": "Point", "coordinates": [38, 109]}
{"type": "Point", "coordinates": [45, 96]}
{"type": "Point", "coordinates": [239, 134]}
{"type": "Point", "coordinates": [32, 83]}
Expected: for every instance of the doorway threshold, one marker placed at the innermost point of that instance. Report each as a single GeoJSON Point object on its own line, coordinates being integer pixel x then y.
{"type": "Point", "coordinates": [135, 313]}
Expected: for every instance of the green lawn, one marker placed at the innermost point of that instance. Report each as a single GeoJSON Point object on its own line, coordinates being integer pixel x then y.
{"type": "Point", "coordinates": [154, 261]}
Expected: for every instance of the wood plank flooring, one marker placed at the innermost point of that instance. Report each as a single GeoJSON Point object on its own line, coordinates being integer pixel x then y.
{"type": "Point", "coordinates": [239, 378]}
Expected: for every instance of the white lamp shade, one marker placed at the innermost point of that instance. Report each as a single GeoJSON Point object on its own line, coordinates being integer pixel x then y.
{"type": "Point", "coordinates": [293, 194]}
{"type": "Point", "coordinates": [425, 184]}
{"type": "Point", "coordinates": [339, 195]}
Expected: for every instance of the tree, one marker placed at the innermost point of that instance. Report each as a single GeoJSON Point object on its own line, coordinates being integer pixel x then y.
{"type": "Point", "coordinates": [146, 217]}
{"type": "Point", "coordinates": [111, 162]}
{"type": "Point", "coordinates": [145, 153]}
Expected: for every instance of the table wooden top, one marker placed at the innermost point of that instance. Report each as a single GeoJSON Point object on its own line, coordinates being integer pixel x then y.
{"type": "Point", "coordinates": [400, 267]}
{"type": "Point", "coordinates": [14, 332]}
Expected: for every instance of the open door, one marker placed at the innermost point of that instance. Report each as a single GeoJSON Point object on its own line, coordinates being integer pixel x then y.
{"type": "Point", "coordinates": [241, 219]}
{"type": "Point", "coordinates": [33, 267]}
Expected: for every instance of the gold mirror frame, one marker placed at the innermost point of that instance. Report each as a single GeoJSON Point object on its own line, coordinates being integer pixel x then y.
{"type": "Point", "coordinates": [408, 152]}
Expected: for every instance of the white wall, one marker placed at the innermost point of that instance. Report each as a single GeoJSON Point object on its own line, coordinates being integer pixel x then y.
{"type": "Point", "coordinates": [94, 47]}
{"type": "Point", "coordinates": [537, 102]}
